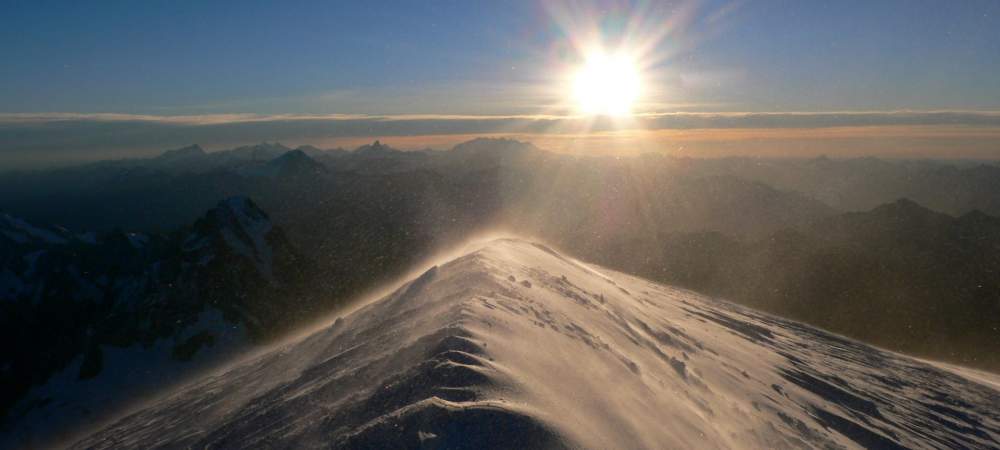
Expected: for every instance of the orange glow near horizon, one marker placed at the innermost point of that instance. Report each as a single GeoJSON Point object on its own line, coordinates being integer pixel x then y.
{"type": "Point", "coordinates": [910, 141]}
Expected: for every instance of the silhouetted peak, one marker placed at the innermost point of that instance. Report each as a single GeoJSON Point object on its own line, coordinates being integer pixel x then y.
{"type": "Point", "coordinates": [309, 150]}
{"type": "Point", "coordinates": [238, 207]}
{"type": "Point", "coordinates": [293, 155]}
{"type": "Point", "coordinates": [376, 148]}
{"type": "Point", "coordinates": [236, 219]}
{"type": "Point", "coordinates": [906, 209]}
{"type": "Point", "coordinates": [903, 204]}
{"type": "Point", "coordinates": [184, 152]}
{"type": "Point", "coordinates": [236, 224]}
{"type": "Point", "coordinates": [295, 160]}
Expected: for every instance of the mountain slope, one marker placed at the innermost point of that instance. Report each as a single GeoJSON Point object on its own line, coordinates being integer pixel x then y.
{"type": "Point", "coordinates": [516, 346]}
{"type": "Point", "coordinates": [88, 321]}
{"type": "Point", "coordinates": [899, 276]}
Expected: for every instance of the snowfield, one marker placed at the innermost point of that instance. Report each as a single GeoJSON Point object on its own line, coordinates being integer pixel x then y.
{"type": "Point", "coordinates": [516, 346]}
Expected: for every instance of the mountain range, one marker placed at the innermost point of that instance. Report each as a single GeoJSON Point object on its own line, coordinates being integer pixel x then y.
{"type": "Point", "coordinates": [822, 241]}
{"type": "Point", "coordinates": [87, 320]}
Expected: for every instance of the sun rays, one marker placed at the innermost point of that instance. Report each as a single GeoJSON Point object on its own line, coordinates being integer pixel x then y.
{"type": "Point", "coordinates": [607, 84]}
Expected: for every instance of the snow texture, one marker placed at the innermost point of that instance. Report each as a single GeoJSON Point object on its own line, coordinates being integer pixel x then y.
{"type": "Point", "coordinates": [126, 372]}
{"type": "Point", "coordinates": [516, 346]}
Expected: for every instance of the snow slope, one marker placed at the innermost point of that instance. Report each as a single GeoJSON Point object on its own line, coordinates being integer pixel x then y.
{"type": "Point", "coordinates": [516, 346]}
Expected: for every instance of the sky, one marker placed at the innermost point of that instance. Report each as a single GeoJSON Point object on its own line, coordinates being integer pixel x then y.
{"type": "Point", "coordinates": [82, 80]}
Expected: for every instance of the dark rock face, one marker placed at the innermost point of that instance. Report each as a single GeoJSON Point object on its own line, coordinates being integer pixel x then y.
{"type": "Point", "coordinates": [69, 301]}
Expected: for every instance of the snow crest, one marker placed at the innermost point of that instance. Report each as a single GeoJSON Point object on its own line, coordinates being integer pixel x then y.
{"type": "Point", "coordinates": [517, 346]}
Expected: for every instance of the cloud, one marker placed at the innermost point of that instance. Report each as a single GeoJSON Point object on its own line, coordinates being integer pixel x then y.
{"type": "Point", "coordinates": [27, 139]}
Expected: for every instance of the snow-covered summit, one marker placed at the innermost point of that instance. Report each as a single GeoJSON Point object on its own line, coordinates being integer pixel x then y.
{"type": "Point", "coordinates": [242, 227]}
{"type": "Point", "coordinates": [516, 346]}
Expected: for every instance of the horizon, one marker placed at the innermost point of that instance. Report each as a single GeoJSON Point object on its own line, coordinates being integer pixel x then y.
{"type": "Point", "coordinates": [708, 78]}
{"type": "Point", "coordinates": [352, 145]}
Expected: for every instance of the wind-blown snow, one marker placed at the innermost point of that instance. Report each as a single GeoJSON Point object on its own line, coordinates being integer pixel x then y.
{"type": "Point", "coordinates": [125, 372]}
{"type": "Point", "coordinates": [516, 346]}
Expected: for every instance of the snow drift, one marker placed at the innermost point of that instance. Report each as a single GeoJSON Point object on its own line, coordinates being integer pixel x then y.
{"type": "Point", "coordinates": [516, 346]}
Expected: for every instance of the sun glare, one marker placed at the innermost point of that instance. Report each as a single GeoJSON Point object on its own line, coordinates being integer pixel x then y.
{"type": "Point", "coordinates": [606, 84]}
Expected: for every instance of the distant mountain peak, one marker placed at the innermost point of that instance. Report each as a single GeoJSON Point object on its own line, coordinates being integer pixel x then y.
{"type": "Point", "coordinates": [295, 162]}
{"type": "Point", "coordinates": [262, 151]}
{"type": "Point", "coordinates": [190, 151]}
{"type": "Point", "coordinates": [310, 150]}
{"type": "Point", "coordinates": [292, 155]}
{"type": "Point", "coordinates": [243, 227]}
{"type": "Point", "coordinates": [376, 148]}
{"type": "Point", "coordinates": [903, 206]}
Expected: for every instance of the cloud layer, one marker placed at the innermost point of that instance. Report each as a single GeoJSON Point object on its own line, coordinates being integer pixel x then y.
{"type": "Point", "coordinates": [51, 138]}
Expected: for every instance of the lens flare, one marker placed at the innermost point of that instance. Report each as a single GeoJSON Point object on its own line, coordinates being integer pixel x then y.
{"type": "Point", "coordinates": [606, 84]}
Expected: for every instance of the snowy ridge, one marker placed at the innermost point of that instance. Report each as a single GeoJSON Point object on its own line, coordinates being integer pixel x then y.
{"type": "Point", "coordinates": [516, 346]}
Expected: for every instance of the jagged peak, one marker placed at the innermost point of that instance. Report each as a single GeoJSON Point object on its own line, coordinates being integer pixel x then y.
{"type": "Point", "coordinates": [242, 226]}
{"type": "Point", "coordinates": [376, 148]}
{"type": "Point", "coordinates": [236, 213]}
{"type": "Point", "coordinates": [242, 208]}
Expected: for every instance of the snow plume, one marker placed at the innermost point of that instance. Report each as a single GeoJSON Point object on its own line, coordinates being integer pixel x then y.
{"type": "Point", "coordinates": [513, 345]}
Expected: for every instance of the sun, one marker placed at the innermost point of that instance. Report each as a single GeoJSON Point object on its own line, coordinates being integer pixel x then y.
{"type": "Point", "coordinates": [606, 84]}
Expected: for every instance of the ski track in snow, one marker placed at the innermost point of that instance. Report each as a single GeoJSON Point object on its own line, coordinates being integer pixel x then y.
{"type": "Point", "coordinates": [515, 346]}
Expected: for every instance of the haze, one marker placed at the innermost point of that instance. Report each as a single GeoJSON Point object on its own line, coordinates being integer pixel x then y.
{"type": "Point", "coordinates": [900, 79]}
{"type": "Point", "coordinates": [534, 224]}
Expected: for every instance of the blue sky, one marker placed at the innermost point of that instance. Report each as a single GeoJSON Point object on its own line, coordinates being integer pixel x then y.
{"type": "Point", "coordinates": [168, 57]}
{"type": "Point", "coordinates": [489, 58]}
